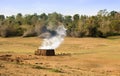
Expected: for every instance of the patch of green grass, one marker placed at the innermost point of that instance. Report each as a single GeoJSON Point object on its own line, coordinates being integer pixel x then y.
{"type": "Point", "coordinates": [38, 67]}
{"type": "Point", "coordinates": [55, 70]}
{"type": "Point", "coordinates": [113, 37]}
{"type": "Point", "coordinates": [49, 69]}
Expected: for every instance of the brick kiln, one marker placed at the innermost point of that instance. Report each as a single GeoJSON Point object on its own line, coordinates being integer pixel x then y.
{"type": "Point", "coordinates": [45, 52]}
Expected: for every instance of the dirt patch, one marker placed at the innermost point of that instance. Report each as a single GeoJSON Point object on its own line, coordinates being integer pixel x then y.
{"type": "Point", "coordinates": [64, 64]}
{"type": "Point", "coordinates": [16, 58]}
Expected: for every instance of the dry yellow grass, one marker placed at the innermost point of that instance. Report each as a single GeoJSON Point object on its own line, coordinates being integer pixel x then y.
{"type": "Point", "coordinates": [27, 45]}
{"type": "Point", "coordinates": [88, 57]}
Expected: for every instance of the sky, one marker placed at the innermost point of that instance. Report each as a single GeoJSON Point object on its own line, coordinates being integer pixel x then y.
{"type": "Point", "coordinates": [65, 7]}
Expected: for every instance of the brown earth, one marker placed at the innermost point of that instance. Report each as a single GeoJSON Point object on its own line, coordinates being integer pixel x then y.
{"type": "Point", "coordinates": [75, 57]}
{"type": "Point", "coordinates": [59, 65]}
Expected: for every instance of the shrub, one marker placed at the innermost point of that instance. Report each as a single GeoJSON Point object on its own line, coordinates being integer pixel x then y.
{"type": "Point", "coordinates": [8, 31]}
{"type": "Point", "coordinates": [30, 31]}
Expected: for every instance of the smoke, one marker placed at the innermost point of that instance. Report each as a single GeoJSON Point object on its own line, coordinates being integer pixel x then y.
{"type": "Point", "coordinates": [53, 39]}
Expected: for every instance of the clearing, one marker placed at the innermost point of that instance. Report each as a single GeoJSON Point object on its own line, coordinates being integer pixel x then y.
{"type": "Point", "coordinates": [74, 57]}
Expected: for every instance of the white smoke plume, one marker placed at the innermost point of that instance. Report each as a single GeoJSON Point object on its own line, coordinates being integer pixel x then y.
{"type": "Point", "coordinates": [55, 40]}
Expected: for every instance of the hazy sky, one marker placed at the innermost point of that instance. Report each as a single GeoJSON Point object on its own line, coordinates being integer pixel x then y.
{"type": "Point", "coordinates": [66, 7]}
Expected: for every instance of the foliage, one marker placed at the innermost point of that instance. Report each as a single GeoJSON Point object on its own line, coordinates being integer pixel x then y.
{"type": "Point", "coordinates": [101, 25]}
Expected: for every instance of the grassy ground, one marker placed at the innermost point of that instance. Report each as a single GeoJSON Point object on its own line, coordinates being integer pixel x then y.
{"type": "Point", "coordinates": [83, 57]}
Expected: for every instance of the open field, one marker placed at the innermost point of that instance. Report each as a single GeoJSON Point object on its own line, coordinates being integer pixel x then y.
{"type": "Point", "coordinates": [74, 57]}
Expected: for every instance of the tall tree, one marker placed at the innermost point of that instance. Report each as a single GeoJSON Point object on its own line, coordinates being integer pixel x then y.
{"type": "Point", "coordinates": [53, 20]}
{"type": "Point", "coordinates": [2, 17]}
{"type": "Point", "coordinates": [43, 16]}
{"type": "Point", "coordinates": [19, 19]}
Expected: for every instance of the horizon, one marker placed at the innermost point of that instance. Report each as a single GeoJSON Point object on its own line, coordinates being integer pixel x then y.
{"type": "Point", "coordinates": [64, 7]}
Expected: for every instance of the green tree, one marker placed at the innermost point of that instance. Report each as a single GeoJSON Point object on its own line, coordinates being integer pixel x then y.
{"type": "Point", "coordinates": [27, 19]}
{"type": "Point", "coordinates": [102, 12]}
{"type": "Point", "coordinates": [19, 19]}
{"type": "Point", "coordinates": [43, 16]}
{"type": "Point", "coordinates": [53, 20]}
{"type": "Point", "coordinates": [34, 19]}
{"type": "Point", "coordinates": [2, 17]}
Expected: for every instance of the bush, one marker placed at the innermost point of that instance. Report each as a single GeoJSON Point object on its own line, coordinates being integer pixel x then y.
{"type": "Point", "coordinates": [8, 31]}
{"type": "Point", "coordinates": [30, 31]}
{"type": "Point", "coordinates": [4, 31]}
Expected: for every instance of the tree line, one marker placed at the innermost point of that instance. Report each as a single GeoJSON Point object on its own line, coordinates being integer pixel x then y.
{"type": "Point", "coordinates": [103, 24]}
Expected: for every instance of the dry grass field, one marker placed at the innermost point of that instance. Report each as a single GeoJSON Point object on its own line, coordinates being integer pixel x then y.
{"type": "Point", "coordinates": [74, 57]}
